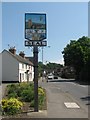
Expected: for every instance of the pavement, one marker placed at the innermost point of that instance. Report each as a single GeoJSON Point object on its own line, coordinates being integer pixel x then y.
{"type": "Point", "coordinates": [39, 114]}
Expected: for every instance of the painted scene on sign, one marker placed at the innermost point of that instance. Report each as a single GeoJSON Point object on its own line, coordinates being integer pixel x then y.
{"type": "Point", "coordinates": [35, 26]}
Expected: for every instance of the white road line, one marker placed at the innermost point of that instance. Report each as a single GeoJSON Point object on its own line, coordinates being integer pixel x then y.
{"type": "Point", "coordinates": [83, 85]}
{"type": "Point", "coordinates": [71, 105]}
{"type": "Point", "coordinates": [79, 85]}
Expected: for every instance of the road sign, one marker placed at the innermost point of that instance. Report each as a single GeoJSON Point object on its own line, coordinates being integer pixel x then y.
{"type": "Point", "coordinates": [35, 26]}
{"type": "Point", "coordinates": [35, 33]}
{"type": "Point", "coordinates": [35, 43]}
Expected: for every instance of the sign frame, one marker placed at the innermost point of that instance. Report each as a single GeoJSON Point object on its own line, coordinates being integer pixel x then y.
{"type": "Point", "coordinates": [40, 33]}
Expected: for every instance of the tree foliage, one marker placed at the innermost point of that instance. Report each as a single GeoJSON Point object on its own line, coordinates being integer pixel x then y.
{"type": "Point", "coordinates": [49, 67]}
{"type": "Point", "coordinates": [77, 54]}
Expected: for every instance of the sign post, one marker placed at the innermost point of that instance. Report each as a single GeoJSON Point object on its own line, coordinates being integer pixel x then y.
{"type": "Point", "coordinates": [35, 33]}
{"type": "Point", "coordinates": [35, 55]}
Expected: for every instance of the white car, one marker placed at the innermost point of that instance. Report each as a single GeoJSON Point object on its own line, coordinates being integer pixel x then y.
{"type": "Point", "coordinates": [50, 76]}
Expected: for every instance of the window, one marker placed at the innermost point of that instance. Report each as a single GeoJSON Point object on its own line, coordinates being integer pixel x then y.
{"type": "Point", "coordinates": [31, 68]}
{"type": "Point", "coordinates": [26, 76]}
{"type": "Point", "coordinates": [22, 65]}
{"type": "Point", "coordinates": [22, 76]}
{"type": "Point", "coordinates": [26, 66]}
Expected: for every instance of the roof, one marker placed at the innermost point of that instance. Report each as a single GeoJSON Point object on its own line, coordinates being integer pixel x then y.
{"type": "Point", "coordinates": [30, 59]}
{"type": "Point", "coordinates": [19, 58]}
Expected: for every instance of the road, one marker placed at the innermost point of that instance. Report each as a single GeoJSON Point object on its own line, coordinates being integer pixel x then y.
{"type": "Point", "coordinates": [63, 90]}
{"type": "Point", "coordinates": [79, 92]}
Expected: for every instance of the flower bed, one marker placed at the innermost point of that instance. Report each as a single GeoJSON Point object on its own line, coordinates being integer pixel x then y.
{"type": "Point", "coordinates": [20, 98]}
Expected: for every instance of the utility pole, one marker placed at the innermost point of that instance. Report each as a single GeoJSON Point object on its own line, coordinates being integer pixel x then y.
{"type": "Point", "coordinates": [42, 62]}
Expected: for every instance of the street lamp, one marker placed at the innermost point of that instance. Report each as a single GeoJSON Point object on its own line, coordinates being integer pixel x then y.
{"type": "Point", "coordinates": [42, 61]}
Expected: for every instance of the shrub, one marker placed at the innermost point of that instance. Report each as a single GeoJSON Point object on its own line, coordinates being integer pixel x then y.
{"type": "Point", "coordinates": [12, 95]}
{"type": "Point", "coordinates": [32, 103]}
{"type": "Point", "coordinates": [12, 90]}
{"type": "Point", "coordinates": [41, 91]}
{"type": "Point", "coordinates": [27, 95]}
{"type": "Point", "coordinates": [41, 97]}
{"type": "Point", "coordinates": [11, 106]}
{"type": "Point", "coordinates": [25, 92]}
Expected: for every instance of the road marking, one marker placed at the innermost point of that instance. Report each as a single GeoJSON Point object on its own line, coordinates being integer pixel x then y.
{"type": "Point", "coordinates": [82, 85]}
{"type": "Point", "coordinates": [78, 84]}
{"type": "Point", "coordinates": [59, 88]}
{"type": "Point", "coordinates": [71, 105]}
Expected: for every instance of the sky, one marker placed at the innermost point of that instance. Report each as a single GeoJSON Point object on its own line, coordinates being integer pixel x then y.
{"type": "Point", "coordinates": [65, 21]}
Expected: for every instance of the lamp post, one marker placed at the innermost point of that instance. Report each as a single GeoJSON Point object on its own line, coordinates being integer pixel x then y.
{"type": "Point", "coordinates": [42, 61]}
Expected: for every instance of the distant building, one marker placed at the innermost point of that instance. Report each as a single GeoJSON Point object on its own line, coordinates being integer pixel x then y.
{"type": "Point", "coordinates": [16, 68]}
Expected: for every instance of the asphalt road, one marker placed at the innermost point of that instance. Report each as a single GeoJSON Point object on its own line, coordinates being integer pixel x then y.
{"type": "Point", "coordinates": [63, 90]}
{"type": "Point", "coordinates": [79, 92]}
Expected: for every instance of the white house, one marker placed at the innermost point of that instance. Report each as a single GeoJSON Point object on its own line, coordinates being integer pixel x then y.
{"type": "Point", "coordinates": [16, 68]}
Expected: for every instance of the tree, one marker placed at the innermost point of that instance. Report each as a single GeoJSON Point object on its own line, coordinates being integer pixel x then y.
{"type": "Point", "coordinates": [77, 54]}
{"type": "Point", "coordinates": [49, 68]}
{"type": "Point", "coordinates": [40, 68]}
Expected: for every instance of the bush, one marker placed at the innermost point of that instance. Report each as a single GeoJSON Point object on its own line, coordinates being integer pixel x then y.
{"type": "Point", "coordinates": [12, 90]}
{"type": "Point", "coordinates": [41, 91]}
{"type": "Point", "coordinates": [11, 106]}
{"type": "Point", "coordinates": [32, 103]}
{"type": "Point", "coordinates": [12, 95]}
{"type": "Point", "coordinates": [41, 97]}
{"type": "Point", "coordinates": [25, 93]}
{"type": "Point", "coordinates": [41, 100]}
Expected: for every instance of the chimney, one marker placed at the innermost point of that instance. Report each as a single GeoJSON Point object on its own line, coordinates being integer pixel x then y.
{"type": "Point", "coordinates": [12, 50]}
{"type": "Point", "coordinates": [22, 54]}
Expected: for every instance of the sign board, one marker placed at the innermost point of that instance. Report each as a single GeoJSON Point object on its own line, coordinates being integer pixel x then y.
{"type": "Point", "coordinates": [35, 26]}
{"type": "Point", "coordinates": [35, 43]}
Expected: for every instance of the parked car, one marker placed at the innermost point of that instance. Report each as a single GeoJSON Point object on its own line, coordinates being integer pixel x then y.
{"type": "Point", "coordinates": [55, 77]}
{"type": "Point", "coordinates": [50, 77]}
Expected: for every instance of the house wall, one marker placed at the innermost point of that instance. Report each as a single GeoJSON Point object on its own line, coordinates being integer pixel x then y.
{"type": "Point", "coordinates": [32, 73]}
{"type": "Point", "coordinates": [23, 75]}
{"type": "Point", "coordinates": [10, 67]}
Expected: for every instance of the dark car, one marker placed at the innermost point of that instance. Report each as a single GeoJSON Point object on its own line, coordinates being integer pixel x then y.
{"type": "Point", "coordinates": [55, 77]}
